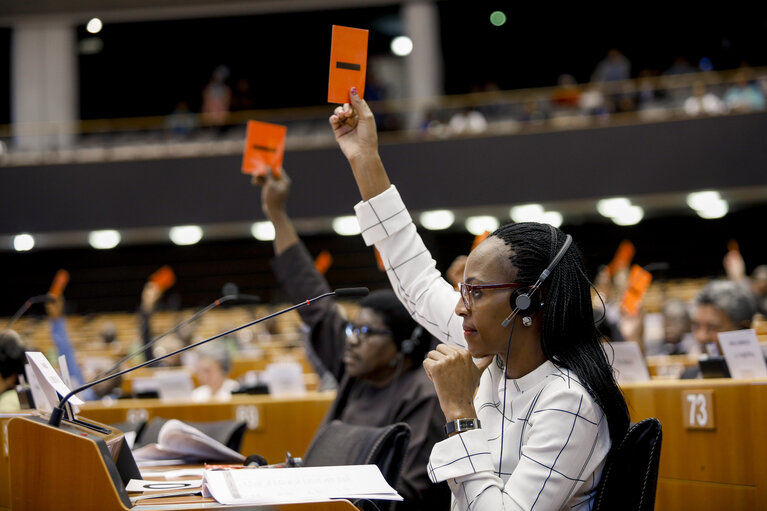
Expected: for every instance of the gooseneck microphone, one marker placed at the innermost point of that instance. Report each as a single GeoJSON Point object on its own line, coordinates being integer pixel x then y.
{"type": "Point", "coordinates": [58, 413]}
{"type": "Point", "coordinates": [230, 292]}
{"type": "Point", "coordinates": [25, 307]}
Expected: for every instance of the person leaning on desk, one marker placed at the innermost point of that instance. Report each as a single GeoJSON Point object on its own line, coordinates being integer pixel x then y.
{"type": "Point", "coordinates": [376, 358]}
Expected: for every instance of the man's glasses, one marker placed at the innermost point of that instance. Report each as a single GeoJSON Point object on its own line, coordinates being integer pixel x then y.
{"type": "Point", "coordinates": [363, 332]}
{"type": "Point", "coordinates": [468, 291]}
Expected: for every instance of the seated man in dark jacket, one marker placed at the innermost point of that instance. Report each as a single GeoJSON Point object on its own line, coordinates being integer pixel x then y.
{"type": "Point", "coordinates": [376, 358]}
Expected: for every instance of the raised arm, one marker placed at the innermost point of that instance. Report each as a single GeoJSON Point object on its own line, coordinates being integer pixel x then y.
{"type": "Point", "coordinates": [385, 222]}
{"type": "Point", "coordinates": [295, 271]}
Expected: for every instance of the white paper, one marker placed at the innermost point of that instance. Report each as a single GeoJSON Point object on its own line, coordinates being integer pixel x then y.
{"type": "Point", "coordinates": [49, 379]}
{"type": "Point", "coordinates": [285, 379]}
{"type": "Point", "coordinates": [179, 440]}
{"type": "Point", "coordinates": [64, 370]}
{"type": "Point", "coordinates": [743, 354]}
{"type": "Point", "coordinates": [41, 400]}
{"type": "Point", "coordinates": [294, 485]}
{"type": "Point", "coordinates": [144, 485]}
{"type": "Point", "coordinates": [628, 364]}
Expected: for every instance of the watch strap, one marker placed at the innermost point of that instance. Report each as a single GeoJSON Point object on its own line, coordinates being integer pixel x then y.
{"type": "Point", "coordinates": [461, 425]}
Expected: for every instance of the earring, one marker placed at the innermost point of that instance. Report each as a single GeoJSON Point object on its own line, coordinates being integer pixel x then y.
{"type": "Point", "coordinates": [527, 321]}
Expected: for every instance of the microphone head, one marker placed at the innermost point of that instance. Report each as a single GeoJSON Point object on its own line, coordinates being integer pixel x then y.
{"type": "Point", "coordinates": [230, 288]}
{"type": "Point", "coordinates": [351, 292]}
{"type": "Point", "coordinates": [255, 460]}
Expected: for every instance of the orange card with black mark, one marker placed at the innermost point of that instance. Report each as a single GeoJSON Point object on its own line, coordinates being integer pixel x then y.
{"type": "Point", "coordinates": [59, 283]}
{"type": "Point", "coordinates": [622, 258]}
{"type": "Point", "coordinates": [479, 238]}
{"type": "Point", "coordinates": [348, 63]}
{"type": "Point", "coordinates": [323, 262]}
{"type": "Point", "coordinates": [639, 282]}
{"type": "Point", "coordinates": [163, 278]}
{"type": "Point", "coordinates": [264, 148]}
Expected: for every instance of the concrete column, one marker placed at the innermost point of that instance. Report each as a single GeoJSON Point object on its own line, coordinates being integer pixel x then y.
{"type": "Point", "coordinates": [44, 103]}
{"type": "Point", "coordinates": [424, 65]}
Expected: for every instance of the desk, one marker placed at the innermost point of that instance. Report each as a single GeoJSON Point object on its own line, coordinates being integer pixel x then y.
{"type": "Point", "coordinates": [275, 425]}
{"type": "Point", "coordinates": [72, 469]}
{"type": "Point", "coordinates": [715, 469]}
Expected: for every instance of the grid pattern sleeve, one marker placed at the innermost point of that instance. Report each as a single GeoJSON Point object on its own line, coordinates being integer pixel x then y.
{"type": "Point", "coordinates": [553, 455]}
{"type": "Point", "coordinates": [385, 222]}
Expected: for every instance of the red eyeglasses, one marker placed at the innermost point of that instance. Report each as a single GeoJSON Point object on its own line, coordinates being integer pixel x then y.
{"type": "Point", "coordinates": [468, 290]}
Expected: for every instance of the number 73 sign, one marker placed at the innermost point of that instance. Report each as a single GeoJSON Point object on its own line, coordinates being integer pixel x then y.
{"type": "Point", "coordinates": [698, 409]}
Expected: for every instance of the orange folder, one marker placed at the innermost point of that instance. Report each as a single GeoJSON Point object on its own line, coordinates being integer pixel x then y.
{"type": "Point", "coordinates": [59, 283]}
{"type": "Point", "coordinates": [163, 278]}
{"type": "Point", "coordinates": [639, 282]}
{"type": "Point", "coordinates": [622, 258]}
{"type": "Point", "coordinates": [323, 262]}
{"type": "Point", "coordinates": [479, 238]}
{"type": "Point", "coordinates": [348, 63]}
{"type": "Point", "coordinates": [264, 148]}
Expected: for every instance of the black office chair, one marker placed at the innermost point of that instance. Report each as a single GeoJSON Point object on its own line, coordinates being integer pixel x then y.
{"type": "Point", "coordinates": [339, 443]}
{"type": "Point", "coordinates": [229, 432]}
{"type": "Point", "coordinates": [127, 427]}
{"type": "Point", "coordinates": [630, 476]}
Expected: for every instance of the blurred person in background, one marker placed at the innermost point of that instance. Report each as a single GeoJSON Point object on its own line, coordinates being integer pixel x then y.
{"type": "Point", "coordinates": [212, 372]}
{"type": "Point", "coordinates": [702, 102]}
{"type": "Point", "coordinates": [677, 336]}
{"type": "Point", "coordinates": [742, 96]}
{"type": "Point", "coordinates": [58, 322]}
{"type": "Point", "coordinates": [12, 360]}
{"type": "Point", "coordinates": [721, 306]}
{"type": "Point", "coordinates": [217, 98]}
{"type": "Point", "coordinates": [735, 267]}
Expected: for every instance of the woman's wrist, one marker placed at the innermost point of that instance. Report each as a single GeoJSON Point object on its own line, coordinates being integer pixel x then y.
{"type": "Point", "coordinates": [465, 411]}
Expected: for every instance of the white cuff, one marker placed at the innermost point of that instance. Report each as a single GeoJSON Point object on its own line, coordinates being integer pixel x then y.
{"type": "Point", "coordinates": [460, 455]}
{"type": "Point", "coordinates": [382, 216]}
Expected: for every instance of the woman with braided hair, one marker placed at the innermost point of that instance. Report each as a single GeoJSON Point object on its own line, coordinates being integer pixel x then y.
{"type": "Point", "coordinates": [531, 404]}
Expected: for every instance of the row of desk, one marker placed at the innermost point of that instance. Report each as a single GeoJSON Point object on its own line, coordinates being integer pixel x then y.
{"type": "Point", "coordinates": [713, 452]}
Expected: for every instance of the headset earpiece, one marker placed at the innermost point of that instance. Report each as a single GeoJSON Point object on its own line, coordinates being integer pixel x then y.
{"type": "Point", "coordinates": [409, 345]}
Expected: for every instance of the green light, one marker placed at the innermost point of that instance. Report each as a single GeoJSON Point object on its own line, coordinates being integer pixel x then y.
{"type": "Point", "coordinates": [498, 18]}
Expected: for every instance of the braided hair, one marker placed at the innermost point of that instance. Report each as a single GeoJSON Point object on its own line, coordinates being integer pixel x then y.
{"type": "Point", "coordinates": [570, 338]}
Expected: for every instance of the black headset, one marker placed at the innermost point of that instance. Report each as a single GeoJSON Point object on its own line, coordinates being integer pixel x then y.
{"type": "Point", "coordinates": [409, 345]}
{"type": "Point", "coordinates": [522, 299]}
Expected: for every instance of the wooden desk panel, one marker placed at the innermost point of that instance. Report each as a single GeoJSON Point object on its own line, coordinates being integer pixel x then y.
{"type": "Point", "coordinates": [275, 425]}
{"type": "Point", "coordinates": [723, 468]}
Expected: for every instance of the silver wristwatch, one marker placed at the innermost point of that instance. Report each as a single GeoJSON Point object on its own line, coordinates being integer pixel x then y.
{"type": "Point", "coordinates": [461, 425]}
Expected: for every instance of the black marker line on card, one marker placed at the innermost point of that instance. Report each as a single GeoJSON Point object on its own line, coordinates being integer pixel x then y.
{"type": "Point", "coordinates": [348, 65]}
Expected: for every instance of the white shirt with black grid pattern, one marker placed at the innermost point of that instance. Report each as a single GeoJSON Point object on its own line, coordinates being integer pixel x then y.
{"type": "Point", "coordinates": [555, 437]}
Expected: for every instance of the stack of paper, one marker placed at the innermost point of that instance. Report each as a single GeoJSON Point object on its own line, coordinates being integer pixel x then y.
{"type": "Point", "coordinates": [264, 486]}
{"type": "Point", "coordinates": [179, 441]}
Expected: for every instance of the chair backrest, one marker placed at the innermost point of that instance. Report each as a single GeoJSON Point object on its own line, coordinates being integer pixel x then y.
{"type": "Point", "coordinates": [630, 476]}
{"type": "Point", "coordinates": [228, 432]}
{"type": "Point", "coordinates": [339, 443]}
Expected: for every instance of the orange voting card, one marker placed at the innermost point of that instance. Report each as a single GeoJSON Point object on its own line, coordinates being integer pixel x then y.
{"type": "Point", "coordinates": [323, 262]}
{"type": "Point", "coordinates": [479, 238]}
{"type": "Point", "coordinates": [264, 148]}
{"type": "Point", "coordinates": [60, 282]}
{"type": "Point", "coordinates": [732, 246]}
{"type": "Point", "coordinates": [348, 63]}
{"type": "Point", "coordinates": [379, 260]}
{"type": "Point", "coordinates": [623, 257]}
{"type": "Point", "coordinates": [639, 282]}
{"type": "Point", "coordinates": [163, 278]}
